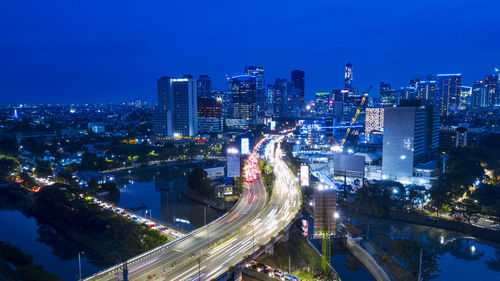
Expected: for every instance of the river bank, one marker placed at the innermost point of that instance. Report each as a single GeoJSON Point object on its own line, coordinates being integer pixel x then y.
{"type": "Point", "coordinates": [468, 229]}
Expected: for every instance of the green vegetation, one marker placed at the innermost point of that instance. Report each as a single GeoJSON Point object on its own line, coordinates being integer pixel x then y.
{"type": "Point", "coordinates": [304, 259]}
{"type": "Point", "coordinates": [25, 270]}
{"type": "Point", "coordinates": [107, 236]}
{"type": "Point", "coordinates": [8, 166]}
{"type": "Point", "coordinates": [471, 182]}
{"type": "Point", "coordinates": [267, 173]}
{"type": "Point", "coordinates": [379, 196]}
{"type": "Point", "coordinates": [198, 181]}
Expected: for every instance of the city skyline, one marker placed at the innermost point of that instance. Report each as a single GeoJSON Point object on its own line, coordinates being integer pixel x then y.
{"type": "Point", "coordinates": [88, 53]}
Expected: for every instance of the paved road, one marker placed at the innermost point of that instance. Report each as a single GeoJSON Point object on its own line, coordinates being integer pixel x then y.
{"type": "Point", "coordinates": [207, 253]}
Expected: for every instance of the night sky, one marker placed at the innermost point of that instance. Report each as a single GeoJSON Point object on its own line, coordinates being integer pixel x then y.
{"type": "Point", "coordinates": [113, 51]}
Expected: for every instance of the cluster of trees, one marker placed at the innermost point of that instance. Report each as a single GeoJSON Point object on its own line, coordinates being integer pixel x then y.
{"type": "Point", "coordinates": [23, 263]}
{"type": "Point", "coordinates": [471, 182]}
{"type": "Point", "coordinates": [198, 181]}
{"type": "Point", "coordinates": [107, 236]}
{"type": "Point", "coordinates": [267, 174]}
{"type": "Point", "coordinates": [8, 165]}
{"type": "Point", "coordinates": [384, 195]}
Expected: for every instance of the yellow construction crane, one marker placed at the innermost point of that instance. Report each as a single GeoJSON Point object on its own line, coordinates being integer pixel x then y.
{"type": "Point", "coordinates": [363, 100]}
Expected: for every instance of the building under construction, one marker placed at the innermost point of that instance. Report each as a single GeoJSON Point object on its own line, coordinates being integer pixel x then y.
{"type": "Point", "coordinates": [325, 201]}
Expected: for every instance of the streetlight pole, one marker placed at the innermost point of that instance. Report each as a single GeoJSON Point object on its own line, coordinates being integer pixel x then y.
{"type": "Point", "coordinates": [420, 266]}
{"type": "Point", "coordinates": [79, 266]}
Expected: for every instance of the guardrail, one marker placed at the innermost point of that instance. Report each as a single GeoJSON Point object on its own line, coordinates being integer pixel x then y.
{"type": "Point", "coordinates": [116, 268]}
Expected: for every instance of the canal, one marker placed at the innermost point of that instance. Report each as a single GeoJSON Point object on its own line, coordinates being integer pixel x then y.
{"type": "Point", "coordinates": [459, 257]}
{"type": "Point", "coordinates": [159, 194]}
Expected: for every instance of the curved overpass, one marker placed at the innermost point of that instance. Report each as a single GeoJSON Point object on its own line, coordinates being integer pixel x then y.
{"type": "Point", "coordinates": [208, 252]}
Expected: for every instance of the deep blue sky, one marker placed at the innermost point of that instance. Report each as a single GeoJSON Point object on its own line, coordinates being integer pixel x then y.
{"type": "Point", "coordinates": [113, 51]}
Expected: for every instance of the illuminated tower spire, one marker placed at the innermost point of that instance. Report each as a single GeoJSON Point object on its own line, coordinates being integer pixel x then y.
{"type": "Point", "coordinates": [348, 76]}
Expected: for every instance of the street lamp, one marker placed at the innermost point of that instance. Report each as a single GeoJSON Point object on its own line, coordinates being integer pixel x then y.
{"type": "Point", "coordinates": [80, 265]}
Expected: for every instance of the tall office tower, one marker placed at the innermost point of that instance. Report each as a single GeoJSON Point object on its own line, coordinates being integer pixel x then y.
{"type": "Point", "coordinates": [426, 91]}
{"type": "Point", "coordinates": [448, 89]}
{"type": "Point", "coordinates": [408, 93]}
{"type": "Point", "coordinates": [465, 97]}
{"type": "Point", "coordinates": [298, 84]}
{"type": "Point", "coordinates": [270, 100]}
{"type": "Point", "coordinates": [260, 88]}
{"type": "Point", "coordinates": [185, 113]}
{"type": "Point", "coordinates": [280, 90]}
{"type": "Point", "coordinates": [387, 95]}
{"type": "Point", "coordinates": [411, 135]}
{"type": "Point", "coordinates": [348, 76]}
{"type": "Point", "coordinates": [210, 115]}
{"type": "Point", "coordinates": [479, 95]}
{"type": "Point", "coordinates": [244, 98]}
{"type": "Point", "coordinates": [176, 114]}
{"type": "Point", "coordinates": [322, 100]}
{"type": "Point", "coordinates": [204, 86]}
{"type": "Point", "coordinates": [162, 125]}
{"type": "Point", "coordinates": [374, 120]}
{"type": "Point", "coordinates": [340, 95]}
{"type": "Point", "coordinates": [492, 89]}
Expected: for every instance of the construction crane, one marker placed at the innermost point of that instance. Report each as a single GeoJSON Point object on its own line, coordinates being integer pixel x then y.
{"type": "Point", "coordinates": [363, 100]}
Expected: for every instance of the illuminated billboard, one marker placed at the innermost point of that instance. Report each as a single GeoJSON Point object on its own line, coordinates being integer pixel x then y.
{"type": "Point", "coordinates": [273, 125]}
{"type": "Point", "coordinates": [245, 146]}
{"type": "Point", "coordinates": [304, 175]}
{"type": "Point", "coordinates": [233, 163]}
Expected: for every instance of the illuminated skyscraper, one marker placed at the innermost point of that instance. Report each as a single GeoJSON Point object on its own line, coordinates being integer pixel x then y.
{"type": "Point", "coordinates": [280, 90]}
{"type": "Point", "coordinates": [479, 95]}
{"type": "Point", "coordinates": [426, 91]}
{"type": "Point", "coordinates": [244, 98]}
{"type": "Point", "coordinates": [448, 98]}
{"type": "Point", "coordinates": [298, 83]}
{"type": "Point", "coordinates": [204, 84]}
{"type": "Point", "coordinates": [348, 76]}
{"type": "Point", "coordinates": [176, 113]}
{"type": "Point", "coordinates": [260, 89]}
{"type": "Point", "coordinates": [491, 86]}
{"type": "Point", "coordinates": [210, 115]}
{"type": "Point", "coordinates": [465, 97]}
{"type": "Point", "coordinates": [322, 100]}
{"type": "Point", "coordinates": [387, 95]}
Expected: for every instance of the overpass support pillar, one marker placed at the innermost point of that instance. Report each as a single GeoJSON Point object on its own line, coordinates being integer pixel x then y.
{"type": "Point", "coordinates": [237, 273]}
{"type": "Point", "coordinates": [286, 236]}
{"type": "Point", "coordinates": [270, 250]}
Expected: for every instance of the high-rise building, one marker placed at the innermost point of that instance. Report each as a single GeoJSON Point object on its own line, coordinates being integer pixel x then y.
{"type": "Point", "coordinates": [387, 95]}
{"type": "Point", "coordinates": [374, 120]}
{"type": "Point", "coordinates": [479, 95]}
{"type": "Point", "coordinates": [448, 97]}
{"type": "Point", "coordinates": [322, 100]}
{"type": "Point", "coordinates": [408, 93]}
{"type": "Point", "coordinates": [176, 114]}
{"type": "Point", "coordinates": [426, 91]}
{"type": "Point", "coordinates": [260, 89]}
{"type": "Point", "coordinates": [210, 115]}
{"type": "Point", "coordinates": [280, 92]}
{"type": "Point", "coordinates": [465, 97]}
{"type": "Point", "coordinates": [204, 86]}
{"type": "Point", "coordinates": [411, 136]}
{"type": "Point", "coordinates": [491, 86]}
{"type": "Point", "coordinates": [244, 98]}
{"type": "Point", "coordinates": [348, 76]}
{"type": "Point", "coordinates": [298, 82]}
